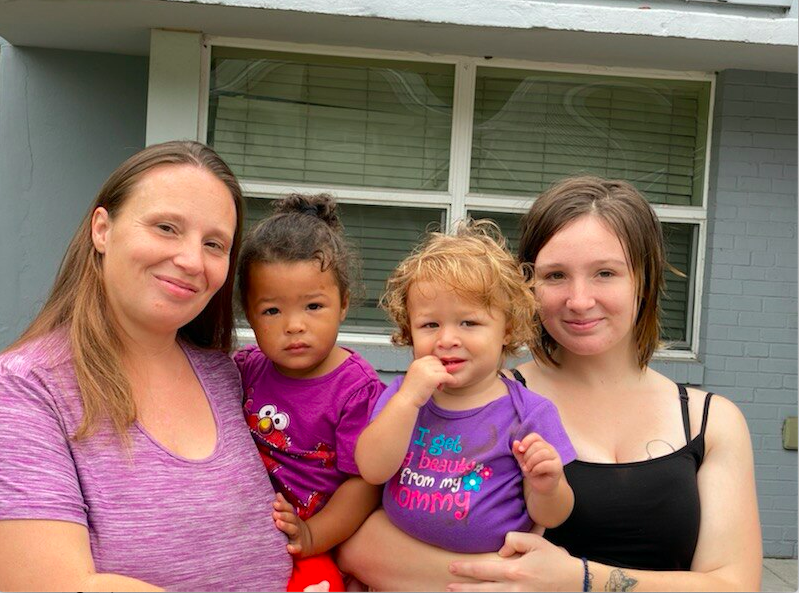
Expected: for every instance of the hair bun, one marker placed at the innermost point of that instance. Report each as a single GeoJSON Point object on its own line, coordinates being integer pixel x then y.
{"type": "Point", "coordinates": [322, 206]}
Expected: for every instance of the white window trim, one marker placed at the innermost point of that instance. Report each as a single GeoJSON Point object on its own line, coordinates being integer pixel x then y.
{"type": "Point", "coordinates": [457, 200]}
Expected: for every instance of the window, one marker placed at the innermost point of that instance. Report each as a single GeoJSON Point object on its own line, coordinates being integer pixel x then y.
{"type": "Point", "coordinates": [411, 145]}
{"type": "Point", "coordinates": [532, 128]}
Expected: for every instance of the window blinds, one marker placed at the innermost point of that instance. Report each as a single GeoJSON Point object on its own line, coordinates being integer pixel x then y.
{"type": "Point", "coordinates": [331, 120]}
{"type": "Point", "coordinates": [532, 128]}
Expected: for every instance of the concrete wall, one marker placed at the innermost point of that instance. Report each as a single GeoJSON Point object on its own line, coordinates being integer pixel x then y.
{"type": "Point", "coordinates": [749, 336]}
{"type": "Point", "coordinates": [67, 119]}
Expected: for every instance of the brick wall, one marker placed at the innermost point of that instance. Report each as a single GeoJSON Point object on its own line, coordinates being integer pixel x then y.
{"type": "Point", "coordinates": [749, 336]}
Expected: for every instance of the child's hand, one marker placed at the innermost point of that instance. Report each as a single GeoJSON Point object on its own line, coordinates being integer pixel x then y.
{"type": "Point", "coordinates": [540, 463]}
{"type": "Point", "coordinates": [300, 538]}
{"type": "Point", "coordinates": [424, 376]}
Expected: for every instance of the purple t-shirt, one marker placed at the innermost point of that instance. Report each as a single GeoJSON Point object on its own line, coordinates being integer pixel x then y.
{"type": "Point", "coordinates": [306, 429]}
{"type": "Point", "coordinates": [459, 487]}
{"type": "Point", "coordinates": [181, 524]}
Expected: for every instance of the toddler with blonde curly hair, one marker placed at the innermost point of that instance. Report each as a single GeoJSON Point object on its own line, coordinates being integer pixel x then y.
{"type": "Point", "coordinates": [466, 454]}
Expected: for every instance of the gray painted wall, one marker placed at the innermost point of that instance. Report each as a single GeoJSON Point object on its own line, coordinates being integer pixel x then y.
{"type": "Point", "coordinates": [749, 335]}
{"type": "Point", "coordinates": [67, 119]}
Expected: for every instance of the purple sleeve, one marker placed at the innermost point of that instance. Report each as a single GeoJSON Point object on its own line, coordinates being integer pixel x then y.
{"type": "Point", "coordinates": [354, 418]}
{"type": "Point", "coordinates": [545, 420]}
{"type": "Point", "coordinates": [38, 477]}
{"type": "Point", "coordinates": [385, 396]}
{"type": "Point", "coordinates": [241, 357]}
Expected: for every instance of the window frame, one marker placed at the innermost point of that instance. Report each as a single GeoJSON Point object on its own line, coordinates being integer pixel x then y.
{"type": "Point", "coordinates": [457, 200]}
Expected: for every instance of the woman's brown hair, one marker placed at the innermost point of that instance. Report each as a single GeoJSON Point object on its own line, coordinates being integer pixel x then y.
{"type": "Point", "coordinates": [621, 206]}
{"type": "Point", "coordinates": [78, 301]}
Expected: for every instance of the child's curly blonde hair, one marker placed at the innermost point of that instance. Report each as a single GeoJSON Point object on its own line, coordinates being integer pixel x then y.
{"type": "Point", "coordinates": [476, 265]}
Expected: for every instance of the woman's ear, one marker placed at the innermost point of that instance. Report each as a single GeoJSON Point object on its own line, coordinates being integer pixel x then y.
{"type": "Point", "coordinates": [101, 225]}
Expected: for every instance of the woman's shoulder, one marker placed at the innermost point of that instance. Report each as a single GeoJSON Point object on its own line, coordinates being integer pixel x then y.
{"type": "Point", "coordinates": [723, 419]}
{"type": "Point", "coordinates": [725, 422]}
{"type": "Point", "coordinates": [533, 378]}
{"type": "Point", "coordinates": [531, 399]}
{"type": "Point", "coordinates": [44, 354]}
{"type": "Point", "coordinates": [38, 377]}
{"type": "Point", "coordinates": [211, 362]}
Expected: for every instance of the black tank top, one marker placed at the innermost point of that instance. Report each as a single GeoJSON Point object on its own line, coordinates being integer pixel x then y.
{"type": "Point", "coordinates": [643, 514]}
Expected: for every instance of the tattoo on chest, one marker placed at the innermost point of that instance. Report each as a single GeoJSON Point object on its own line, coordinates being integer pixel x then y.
{"type": "Point", "coordinates": [658, 448]}
{"type": "Point", "coordinates": [618, 581]}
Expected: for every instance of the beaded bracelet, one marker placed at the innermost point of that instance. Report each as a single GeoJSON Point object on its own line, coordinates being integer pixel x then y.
{"type": "Point", "coordinates": [586, 581]}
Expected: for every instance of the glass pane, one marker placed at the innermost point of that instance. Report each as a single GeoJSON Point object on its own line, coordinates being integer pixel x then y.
{"type": "Point", "coordinates": [331, 120]}
{"type": "Point", "coordinates": [383, 236]}
{"type": "Point", "coordinates": [508, 223]}
{"type": "Point", "coordinates": [677, 301]}
{"type": "Point", "coordinates": [532, 128]}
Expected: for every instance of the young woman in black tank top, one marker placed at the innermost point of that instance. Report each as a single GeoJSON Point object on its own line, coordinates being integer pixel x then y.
{"type": "Point", "coordinates": [664, 480]}
{"type": "Point", "coordinates": [658, 498]}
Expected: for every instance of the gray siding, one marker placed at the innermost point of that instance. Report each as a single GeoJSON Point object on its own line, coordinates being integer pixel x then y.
{"type": "Point", "coordinates": [67, 119]}
{"type": "Point", "coordinates": [749, 335]}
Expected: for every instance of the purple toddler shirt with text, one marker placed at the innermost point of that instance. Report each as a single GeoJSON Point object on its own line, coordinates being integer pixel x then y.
{"type": "Point", "coordinates": [460, 487]}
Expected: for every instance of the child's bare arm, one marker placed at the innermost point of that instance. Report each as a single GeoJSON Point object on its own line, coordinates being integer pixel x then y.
{"type": "Point", "coordinates": [548, 496]}
{"type": "Point", "coordinates": [287, 521]}
{"type": "Point", "coordinates": [383, 445]}
{"type": "Point", "coordinates": [347, 509]}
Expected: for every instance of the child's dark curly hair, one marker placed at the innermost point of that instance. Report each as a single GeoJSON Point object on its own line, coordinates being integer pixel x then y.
{"type": "Point", "coordinates": [301, 228]}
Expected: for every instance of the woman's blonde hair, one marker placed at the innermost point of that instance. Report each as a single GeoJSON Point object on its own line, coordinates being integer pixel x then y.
{"type": "Point", "coordinates": [625, 211]}
{"type": "Point", "coordinates": [78, 301]}
{"type": "Point", "coordinates": [474, 263]}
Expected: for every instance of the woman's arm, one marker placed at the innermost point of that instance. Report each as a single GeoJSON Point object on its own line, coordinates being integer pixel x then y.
{"type": "Point", "coordinates": [388, 559]}
{"type": "Point", "coordinates": [728, 555]}
{"type": "Point", "coordinates": [44, 555]}
{"type": "Point", "coordinates": [347, 509]}
{"type": "Point", "coordinates": [730, 543]}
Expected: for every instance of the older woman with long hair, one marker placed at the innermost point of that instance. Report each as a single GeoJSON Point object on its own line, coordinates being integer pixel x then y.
{"type": "Point", "coordinates": [125, 461]}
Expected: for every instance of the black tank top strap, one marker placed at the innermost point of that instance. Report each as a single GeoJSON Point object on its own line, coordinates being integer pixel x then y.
{"type": "Point", "coordinates": [518, 376]}
{"type": "Point", "coordinates": [705, 412]}
{"type": "Point", "coordinates": [686, 421]}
